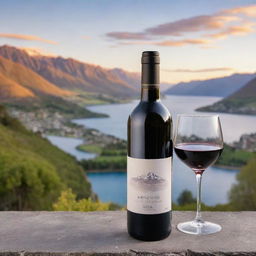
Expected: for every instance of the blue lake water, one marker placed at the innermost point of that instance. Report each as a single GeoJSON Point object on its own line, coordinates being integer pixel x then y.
{"type": "Point", "coordinates": [111, 186]}
{"type": "Point", "coordinates": [217, 182]}
{"type": "Point", "coordinates": [233, 126]}
{"type": "Point", "coordinates": [69, 145]}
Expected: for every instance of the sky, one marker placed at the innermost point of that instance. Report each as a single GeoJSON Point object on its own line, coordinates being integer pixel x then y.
{"type": "Point", "coordinates": [196, 39]}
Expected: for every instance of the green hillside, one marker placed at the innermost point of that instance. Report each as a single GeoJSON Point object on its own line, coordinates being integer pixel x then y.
{"type": "Point", "coordinates": [33, 172]}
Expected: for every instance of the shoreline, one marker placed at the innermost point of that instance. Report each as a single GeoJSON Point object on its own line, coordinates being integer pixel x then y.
{"type": "Point", "coordinates": [113, 171]}
{"type": "Point", "coordinates": [121, 170]}
{"type": "Point", "coordinates": [224, 112]}
{"type": "Point", "coordinates": [231, 168]}
{"type": "Point", "coordinates": [97, 154]}
{"type": "Point", "coordinates": [105, 171]}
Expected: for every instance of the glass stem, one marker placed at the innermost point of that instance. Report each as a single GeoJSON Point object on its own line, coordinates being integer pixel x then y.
{"type": "Point", "coordinates": [198, 210]}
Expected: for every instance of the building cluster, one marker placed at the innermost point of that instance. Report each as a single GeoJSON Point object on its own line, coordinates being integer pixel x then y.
{"type": "Point", "coordinates": [247, 142]}
{"type": "Point", "coordinates": [46, 122]}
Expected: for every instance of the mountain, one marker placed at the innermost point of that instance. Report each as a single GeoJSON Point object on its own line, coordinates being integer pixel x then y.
{"type": "Point", "coordinates": [10, 89]}
{"type": "Point", "coordinates": [242, 101]}
{"type": "Point", "coordinates": [220, 87]}
{"type": "Point", "coordinates": [246, 92]}
{"type": "Point", "coordinates": [17, 81]}
{"type": "Point", "coordinates": [74, 75]}
{"type": "Point", "coordinates": [131, 78]}
{"type": "Point", "coordinates": [33, 172]}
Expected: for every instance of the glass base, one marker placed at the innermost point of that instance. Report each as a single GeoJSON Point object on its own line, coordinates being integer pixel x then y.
{"type": "Point", "coordinates": [198, 227]}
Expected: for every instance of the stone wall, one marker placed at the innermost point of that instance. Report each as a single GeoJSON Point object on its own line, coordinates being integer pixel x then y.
{"type": "Point", "coordinates": [104, 233]}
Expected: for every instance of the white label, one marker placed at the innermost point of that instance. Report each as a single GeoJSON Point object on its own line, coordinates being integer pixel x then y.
{"type": "Point", "coordinates": [149, 185]}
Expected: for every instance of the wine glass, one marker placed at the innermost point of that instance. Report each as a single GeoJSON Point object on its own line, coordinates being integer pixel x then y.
{"type": "Point", "coordinates": [198, 142]}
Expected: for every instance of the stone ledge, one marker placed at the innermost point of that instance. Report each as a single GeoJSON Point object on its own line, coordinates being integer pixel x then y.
{"type": "Point", "coordinates": [186, 253]}
{"type": "Point", "coordinates": [104, 233]}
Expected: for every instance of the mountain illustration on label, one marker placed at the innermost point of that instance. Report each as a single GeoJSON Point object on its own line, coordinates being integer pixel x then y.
{"type": "Point", "coordinates": [150, 181]}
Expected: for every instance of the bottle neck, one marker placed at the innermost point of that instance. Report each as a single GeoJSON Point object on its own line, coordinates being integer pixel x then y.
{"type": "Point", "coordinates": [150, 82]}
{"type": "Point", "coordinates": [150, 93]}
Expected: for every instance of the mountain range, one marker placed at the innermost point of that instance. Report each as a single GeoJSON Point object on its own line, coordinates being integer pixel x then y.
{"type": "Point", "coordinates": [219, 87]}
{"type": "Point", "coordinates": [31, 76]}
{"type": "Point", "coordinates": [17, 81]}
{"type": "Point", "coordinates": [57, 75]}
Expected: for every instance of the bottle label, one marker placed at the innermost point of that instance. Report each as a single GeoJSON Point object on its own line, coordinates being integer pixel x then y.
{"type": "Point", "coordinates": [149, 185]}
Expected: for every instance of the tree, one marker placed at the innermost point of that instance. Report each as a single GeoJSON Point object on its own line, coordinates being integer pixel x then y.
{"type": "Point", "coordinates": [27, 182]}
{"type": "Point", "coordinates": [243, 195]}
{"type": "Point", "coordinates": [33, 172]}
{"type": "Point", "coordinates": [67, 202]}
{"type": "Point", "coordinates": [186, 197]}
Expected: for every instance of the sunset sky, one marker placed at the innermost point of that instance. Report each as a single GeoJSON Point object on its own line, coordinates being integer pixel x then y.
{"type": "Point", "coordinates": [196, 39]}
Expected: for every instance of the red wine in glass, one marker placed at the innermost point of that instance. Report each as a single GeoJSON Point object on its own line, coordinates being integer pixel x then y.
{"type": "Point", "coordinates": [198, 156]}
{"type": "Point", "coordinates": [198, 142]}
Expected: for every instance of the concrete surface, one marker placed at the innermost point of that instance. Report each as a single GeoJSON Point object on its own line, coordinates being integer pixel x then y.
{"type": "Point", "coordinates": [104, 233]}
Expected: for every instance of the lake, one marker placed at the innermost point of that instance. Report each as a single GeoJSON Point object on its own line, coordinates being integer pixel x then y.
{"type": "Point", "coordinates": [217, 182]}
{"type": "Point", "coordinates": [69, 145]}
{"type": "Point", "coordinates": [118, 114]}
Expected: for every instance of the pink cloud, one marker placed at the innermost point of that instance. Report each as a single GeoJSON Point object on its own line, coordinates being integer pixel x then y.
{"type": "Point", "coordinates": [249, 11]}
{"type": "Point", "coordinates": [170, 43]}
{"type": "Point", "coordinates": [205, 70]}
{"type": "Point", "coordinates": [37, 52]}
{"type": "Point", "coordinates": [127, 35]}
{"type": "Point", "coordinates": [222, 24]}
{"type": "Point", "coordinates": [26, 37]}
{"type": "Point", "coordinates": [177, 43]}
{"type": "Point", "coordinates": [239, 30]}
{"type": "Point", "coordinates": [177, 28]}
{"type": "Point", "coordinates": [193, 24]}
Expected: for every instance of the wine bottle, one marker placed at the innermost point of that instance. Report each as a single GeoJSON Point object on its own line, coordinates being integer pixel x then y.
{"type": "Point", "coordinates": [149, 159]}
